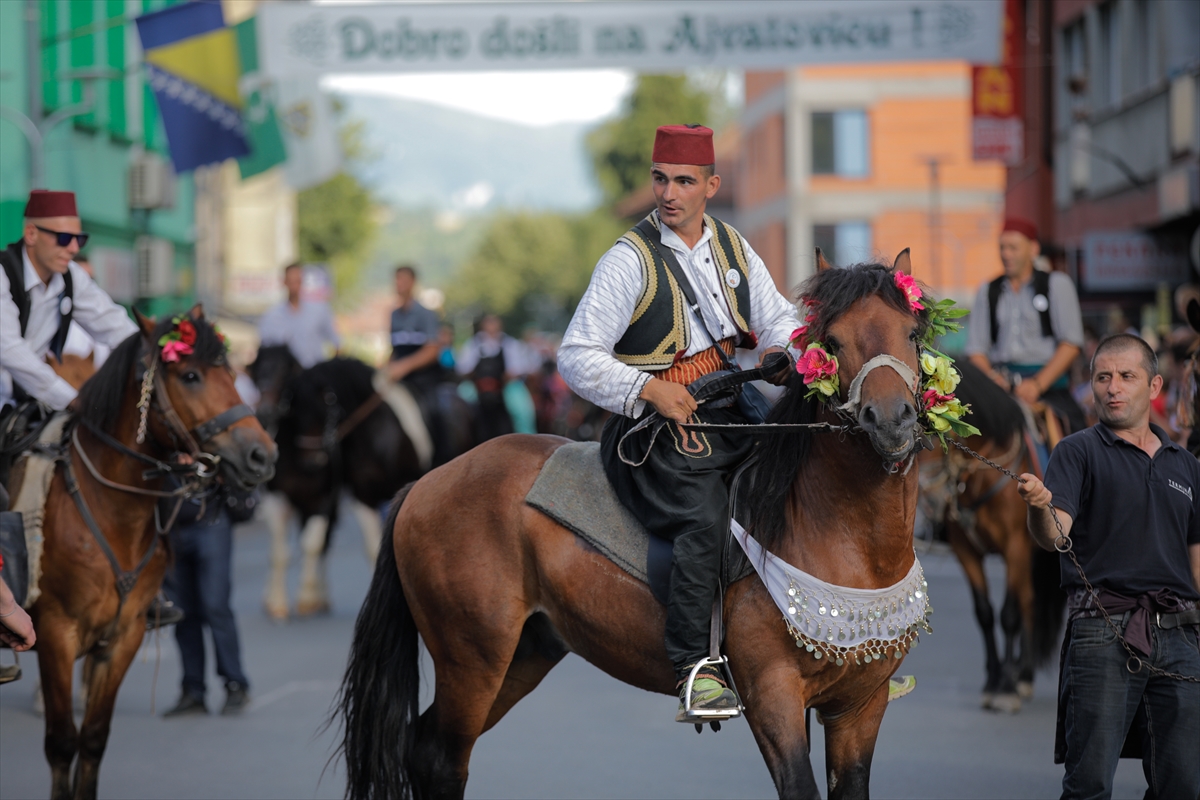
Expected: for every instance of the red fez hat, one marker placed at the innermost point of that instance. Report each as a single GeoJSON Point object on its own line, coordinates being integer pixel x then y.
{"type": "Point", "coordinates": [1021, 226]}
{"type": "Point", "coordinates": [45, 203]}
{"type": "Point", "coordinates": [684, 144]}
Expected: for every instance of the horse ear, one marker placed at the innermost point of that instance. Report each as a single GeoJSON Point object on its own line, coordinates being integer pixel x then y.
{"type": "Point", "coordinates": [903, 262]}
{"type": "Point", "coordinates": [197, 312]}
{"type": "Point", "coordinates": [1193, 314]}
{"type": "Point", "coordinates": [822, 264]}
{"type": "Point", "coordinates": [145, 323]}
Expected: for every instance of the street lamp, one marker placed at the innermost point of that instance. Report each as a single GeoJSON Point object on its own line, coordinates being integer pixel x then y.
{"type": "Point", "coordinates": [37, 130]}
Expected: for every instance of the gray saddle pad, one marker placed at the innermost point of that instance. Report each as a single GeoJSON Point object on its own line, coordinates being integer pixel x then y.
{"type": "Point", "coordinates": [573, 490]}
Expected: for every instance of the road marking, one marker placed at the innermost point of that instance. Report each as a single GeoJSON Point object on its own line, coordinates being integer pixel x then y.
{"type": "Point", "coordinates": [290, 688]}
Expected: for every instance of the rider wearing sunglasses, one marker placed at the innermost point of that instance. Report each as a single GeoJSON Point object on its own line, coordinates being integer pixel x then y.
{"type": "Point", "coordinates": [41, 291]}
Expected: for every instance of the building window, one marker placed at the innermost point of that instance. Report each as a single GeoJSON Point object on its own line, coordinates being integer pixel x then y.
{"type": "Point", "coordinates": [839, 143]}
{"type": "Point", "coordinates": [845, 243]}
{"type": "Point", "coordinates": [1107, 67]}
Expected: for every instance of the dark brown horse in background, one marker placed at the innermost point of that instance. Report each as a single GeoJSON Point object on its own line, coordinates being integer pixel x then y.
{"type": "Point", "coordinates": [81, 612]}
{"type": "Point", "coordinates": [982, 514]}
{"type": "Point", "coordinates": [500, 593]}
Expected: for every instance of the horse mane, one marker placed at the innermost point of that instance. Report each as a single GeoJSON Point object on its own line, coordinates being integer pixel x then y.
{"type": "Point", "coordinates": [993, 410]}
{"type": "Point", "coordinates": [102, 398]}
{"type": "Point", "coordinates": [778, 458]}
{"type": "Point", "coordinates": [348, 378]}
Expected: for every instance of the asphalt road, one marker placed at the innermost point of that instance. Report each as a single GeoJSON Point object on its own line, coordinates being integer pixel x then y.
{"type": "Point", "coordinates": [581, 734]}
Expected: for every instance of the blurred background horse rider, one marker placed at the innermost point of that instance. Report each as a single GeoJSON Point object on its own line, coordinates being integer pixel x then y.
{"type": "Point", "coordinates": [305, 326]}
{"type": "Point", "coordinates": [496, 364]}
{"type": "Point", "coordinates": [1026, 328]}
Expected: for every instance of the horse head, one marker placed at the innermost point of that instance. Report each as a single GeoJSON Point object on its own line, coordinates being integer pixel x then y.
{"type": "Point", "coordinates": [864, 318]}
{"type": "Point", "coordinates": [272, 368]}
{"type": "Point", "coordinates": [190, 402]}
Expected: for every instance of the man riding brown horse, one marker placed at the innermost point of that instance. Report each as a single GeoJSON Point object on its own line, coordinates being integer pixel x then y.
{"type": "Point", "coordinates": [666, 305]}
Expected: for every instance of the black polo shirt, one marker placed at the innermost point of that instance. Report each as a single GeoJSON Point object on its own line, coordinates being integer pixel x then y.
{"type": "Point", "coordinates": [1135, 516]}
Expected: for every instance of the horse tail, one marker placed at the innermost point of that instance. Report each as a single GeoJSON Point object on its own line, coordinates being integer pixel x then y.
{"type": "Point", "coordinates": [378, 699]}
{"type": "Point", "coordinates": [1049, 603]}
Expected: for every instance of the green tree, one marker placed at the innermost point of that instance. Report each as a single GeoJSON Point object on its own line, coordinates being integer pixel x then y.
{"type": "Point", "coordinates": [621, 148]}
{"type": "Point", "coordinates": [532, 267]}
{"type": "Point", "coordinates": [337, 219]}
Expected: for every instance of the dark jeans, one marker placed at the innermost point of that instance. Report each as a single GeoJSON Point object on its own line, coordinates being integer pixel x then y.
{"type": "Point", "coordinates": [200, 584]}
{"type": "Point", "coordinates": [680, 495]}
{"type": "Point", "coordinates": [1101, 697]}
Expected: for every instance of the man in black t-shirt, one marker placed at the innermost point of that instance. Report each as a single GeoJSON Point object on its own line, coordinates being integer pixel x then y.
{"type": "Point", "coordinates": [1129, 498]}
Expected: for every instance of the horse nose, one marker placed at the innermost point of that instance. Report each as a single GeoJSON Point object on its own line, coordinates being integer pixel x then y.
{"type": "Point", "coordinates": [899, 415]}
{"type": "Point", "coordinates": [258, 460]}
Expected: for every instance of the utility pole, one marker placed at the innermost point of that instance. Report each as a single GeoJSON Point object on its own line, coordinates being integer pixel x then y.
{"type": "Point", "coordinates": [935, 219]}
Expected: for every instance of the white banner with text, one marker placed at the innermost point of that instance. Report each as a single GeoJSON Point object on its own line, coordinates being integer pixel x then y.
{"type": "Point", "coordinates": [300, 37]}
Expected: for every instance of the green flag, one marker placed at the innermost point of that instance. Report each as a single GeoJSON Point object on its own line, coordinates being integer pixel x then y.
{"type": "Point", "coordinates": [258, 112]}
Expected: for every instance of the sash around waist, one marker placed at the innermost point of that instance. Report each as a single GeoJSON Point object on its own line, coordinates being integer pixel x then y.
{"type": "Point", "coordinates": [691, 368]}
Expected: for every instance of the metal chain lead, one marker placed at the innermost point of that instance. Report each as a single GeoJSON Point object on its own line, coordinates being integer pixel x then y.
{"type": "Point", "coordinates": [1063, 544]}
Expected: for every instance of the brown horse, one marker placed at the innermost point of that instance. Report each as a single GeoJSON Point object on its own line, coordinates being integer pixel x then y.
{"type": "Point", "coordinates": [74, 369]}
{"type": "Point", "coordinates": [102, 562]}
{"type": "Point", "coordinates": [983, 514]}
{"type": "Point", "coordinates": [500, 593]}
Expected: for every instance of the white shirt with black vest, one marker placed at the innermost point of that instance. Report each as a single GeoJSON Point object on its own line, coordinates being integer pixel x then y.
{"type": "Point", "coordinates": [585, 358]}
{"type": "Point", "coordinates": [22, 359]}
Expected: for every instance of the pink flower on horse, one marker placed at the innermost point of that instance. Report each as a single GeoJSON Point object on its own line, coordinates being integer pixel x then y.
{"type": "Point", "coordinates": [174, 349]}
{"type": "Point", "coordinates": [819, 370]}
{"type": "Point", "coordinates": [912, 292]}
{"type": "Point", "coordinates": [799, 336]}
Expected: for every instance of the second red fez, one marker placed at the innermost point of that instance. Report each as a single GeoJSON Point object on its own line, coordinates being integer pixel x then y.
{"type": "Point", "coordinates": [1021, 226]}
{"type": "Point", "coordinates": [45, 203]}
{"type": "Point", "coordinates": [684, 144]}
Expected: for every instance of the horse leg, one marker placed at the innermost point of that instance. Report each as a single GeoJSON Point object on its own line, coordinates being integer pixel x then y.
{"type": "Point", "coordinates": [313, 597]}
{"type": "Point", "coordinates": [372, 527]}
{"type": "Point", "coordinates": [538, 651]}
{"type": "Point", "coordinates": [1020, 585]}
{"type": "Point", "coordinates": [276, 512]}
{"type": "Point", "coordinates": [972, 564]}
{"type": "Point", "coordinates": [56, 664]}
{"type": "Point", "coordinates": [850, 744]}
{"type": "Point", "coordinates": [775, 710]}
{"type": "Point", "coordinates": [467, 686]}
{"type": "Point", "coordinates": [106, 674]}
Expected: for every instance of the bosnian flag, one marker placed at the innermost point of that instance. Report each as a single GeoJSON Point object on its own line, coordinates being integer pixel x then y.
{"type": "Point", "coordinates": [192, 64]}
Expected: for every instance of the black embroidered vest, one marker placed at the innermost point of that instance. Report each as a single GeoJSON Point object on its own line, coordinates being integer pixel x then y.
{"type": "Point", "coordinates": [658, 333]}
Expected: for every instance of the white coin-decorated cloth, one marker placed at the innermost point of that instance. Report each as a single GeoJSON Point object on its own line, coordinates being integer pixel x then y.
{"type": "Point", "coordinates": [838, 622]}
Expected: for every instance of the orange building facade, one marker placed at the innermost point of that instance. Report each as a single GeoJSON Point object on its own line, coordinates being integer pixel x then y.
{"type": "Point", "coordinates": [865, 160]}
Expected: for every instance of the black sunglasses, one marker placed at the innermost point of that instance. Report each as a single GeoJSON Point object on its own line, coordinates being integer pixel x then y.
{"type": "Point", "coordinates": [63, 238]}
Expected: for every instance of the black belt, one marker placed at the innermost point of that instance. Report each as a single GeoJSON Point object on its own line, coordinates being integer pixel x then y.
{"type": "Point", "coordinates": [1177, 619]}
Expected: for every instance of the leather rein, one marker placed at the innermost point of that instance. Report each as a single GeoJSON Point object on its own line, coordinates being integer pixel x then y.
{"type": "Point", "coordinates": [197, 477]}
{"type": "Point", "coordinates": [720, 390]}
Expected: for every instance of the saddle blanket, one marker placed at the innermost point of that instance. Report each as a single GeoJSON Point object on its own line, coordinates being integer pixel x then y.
{"type": "Point", "coordinates": [573, 490]}
{"type": "Point", "coordinates": [29, 487]}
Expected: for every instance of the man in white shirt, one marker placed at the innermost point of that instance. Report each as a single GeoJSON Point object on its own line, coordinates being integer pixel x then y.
{"type": "Point", "coordinates": [304, 326]}
{"type": "Point", "coordinates": [637, 341]}
{"type": "Point", "coordinates": [498, 364]}
{"type": "Point", "coordinates": [42, 291]}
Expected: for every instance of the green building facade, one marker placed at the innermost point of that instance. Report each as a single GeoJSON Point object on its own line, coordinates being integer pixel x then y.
{"type": "Point", "coordinates": [91, 154]}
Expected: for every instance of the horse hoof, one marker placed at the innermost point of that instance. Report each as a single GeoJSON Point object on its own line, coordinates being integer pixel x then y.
{"type": "Point", "coordinates": [1025, 690]}
{"type": "Point", "coordinates": [1006, 703]}
{"type": "Point", "coordinates": [312, 608]}
{"type": "Point", "coordinates": [276, 613]}
{"type": "Point", "coordinates": [986, 700]}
